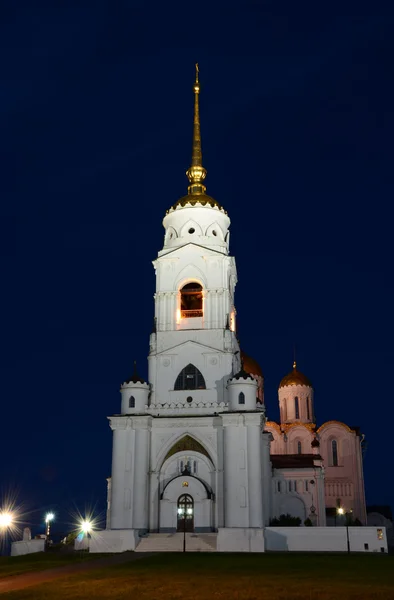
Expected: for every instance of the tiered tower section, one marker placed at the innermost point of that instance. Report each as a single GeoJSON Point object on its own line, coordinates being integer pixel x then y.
{"type": "Point", "coordinates": [193, 349]}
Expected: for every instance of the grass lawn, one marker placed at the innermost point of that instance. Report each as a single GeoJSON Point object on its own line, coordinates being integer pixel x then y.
{"type": "Point", "coordinates": [240, 576]}
{"type": "Point", "coordinates": [17, 565]}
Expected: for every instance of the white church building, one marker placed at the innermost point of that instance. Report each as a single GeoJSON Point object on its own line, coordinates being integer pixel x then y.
{"type": "Point", "coordinates": [193, 452]}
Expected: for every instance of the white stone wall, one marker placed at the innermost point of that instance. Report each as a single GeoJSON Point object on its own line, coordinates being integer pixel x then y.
{"type": "Point", "coordinates": [27, 547]}
{"type": "Point", "coordinates": [294, 494]}
{"type": "Point", "coordinates": [324, 539]}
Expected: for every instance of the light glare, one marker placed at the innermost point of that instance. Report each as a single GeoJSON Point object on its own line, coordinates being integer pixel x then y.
{"type": "Point", "coordinates": [6, 519]}
{"type": "Point", "coordinates": [86, 526]}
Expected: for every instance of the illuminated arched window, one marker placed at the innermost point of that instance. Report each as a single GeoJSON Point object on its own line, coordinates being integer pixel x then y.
{"type": "Point", "coordinates": [191, 300]}
{"type": "Point", "coordinates": [190, 378]}
{"type": "Point", "coordinates": [299, 448]}
{"type": "Point", "coordinates": [241, 398]}
{"type": "Point", "coordinates": [334, 450]}
{"type": "Point", "coordinates": [297, 407]}
{"type": "Point", "coordinates": [308, 410]}
{"type": "Point", "coordinates": [131, 402]}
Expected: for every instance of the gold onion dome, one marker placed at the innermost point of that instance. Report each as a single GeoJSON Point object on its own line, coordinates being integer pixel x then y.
{"type": "Point", "coordinates": [295, 377]}
{"type": "Point", "coordinates": [251, 365]}
{"type": "Point", "coordinates": [196, 173]}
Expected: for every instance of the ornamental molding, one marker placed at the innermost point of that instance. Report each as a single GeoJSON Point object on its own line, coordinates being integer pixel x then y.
{"type": "Point", "coordinates": [141, 422]}
{"type": "Point", "coordinates": [286, 426]}
{"type": "Point", "coordinates": [120, 423]}
{"type": "Point", "coordinates": [231, 419]}
{"type": "Point", "coordinates": [186, 423]}
{"type": "Point", "coordinates": [273, 425]}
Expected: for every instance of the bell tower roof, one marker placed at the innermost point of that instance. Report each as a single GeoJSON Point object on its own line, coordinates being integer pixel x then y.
{"type": "Point", "coordinates": [196, 173]}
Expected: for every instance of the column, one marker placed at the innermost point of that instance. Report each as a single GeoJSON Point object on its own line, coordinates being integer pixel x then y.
{"type": "Point", "coordinates": [255, 488]}
{"type": "Point", "coordinates": [267, 477]}
{"type": "Point", "coordinates": [141, 473]}
{"type": "Point", "coordinates": [121, 428]}
{"type": "Point", "coordinates": [232, 511]}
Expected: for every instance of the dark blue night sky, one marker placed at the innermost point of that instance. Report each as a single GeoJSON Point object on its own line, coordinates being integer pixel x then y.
{"type": "Point", "coordinates": [96, 121]}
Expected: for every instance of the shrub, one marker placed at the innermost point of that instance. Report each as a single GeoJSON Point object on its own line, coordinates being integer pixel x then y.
{"type": "Point", "coordinates": [286, 521]}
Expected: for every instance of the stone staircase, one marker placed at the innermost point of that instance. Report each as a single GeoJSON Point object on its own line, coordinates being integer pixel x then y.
{"type": "Point", "coordinates": [173, 542]}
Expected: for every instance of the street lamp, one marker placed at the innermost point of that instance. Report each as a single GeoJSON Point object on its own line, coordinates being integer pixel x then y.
{"type": "Point", "coordinates": [48, 518]}
{"type": "Point", "coordinates": [341, 511]}
{"type": "Point", "coordinates": [6, 522]}
{"type": "Point", "coordinates": [86, 526]}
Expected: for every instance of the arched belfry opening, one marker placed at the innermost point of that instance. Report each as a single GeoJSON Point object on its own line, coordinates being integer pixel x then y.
{"type": "Point", "coordinates": [191, 300]}
{"type": "Point", "coordinates": [190, 378]}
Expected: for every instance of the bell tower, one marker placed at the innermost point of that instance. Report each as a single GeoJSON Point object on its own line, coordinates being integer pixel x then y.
{"type": "Point", "coordinates": [195, 316]}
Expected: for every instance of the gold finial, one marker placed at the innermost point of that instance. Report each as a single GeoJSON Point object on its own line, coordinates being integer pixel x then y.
{"type": "Point", "coordinates": [294, 365]}
{"type": "Point", "coordinates": [196, 172]}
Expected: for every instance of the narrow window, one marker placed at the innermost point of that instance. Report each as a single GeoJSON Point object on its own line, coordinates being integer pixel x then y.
{"type": "Point", "coordinates": [191, 301]}
{"type": "Point", "coordinates": [306, 486]}
{"type": "Point", "coordinates": [284, 410]}
{"type": "Point", "coordinates": [334, 448]}
{"type": "Point", "coordinates": [190, 378]}
{"type": "Point", "coordinates": [290, 486]}
{"type": "Point", "coordinates": [295, 486]}
{"type": "Point", "coordinates": [181, 466]}
{"type": "Point", "coordinates": [279, 487]}
{"type": "Point", "coordinates": [299, 448]}
{"type": "Point", "coordinates": [308, 412]}
{"type": "Point", "coordinates": [194, 466]}
{"type": "Point", "coordinates": [241, 398]}
{"type": "Point", "coordinates": [297, 407]}
{"type": "Point", "coordinates": [131, 402]}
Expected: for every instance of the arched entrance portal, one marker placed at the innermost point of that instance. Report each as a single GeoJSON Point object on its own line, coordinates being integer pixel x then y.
{"type": "Point", "coordinates": [185, 513]}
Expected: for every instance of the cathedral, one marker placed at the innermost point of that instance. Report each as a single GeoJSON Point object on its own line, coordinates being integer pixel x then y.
{"type": "Point", "coordinates": [193, 451]}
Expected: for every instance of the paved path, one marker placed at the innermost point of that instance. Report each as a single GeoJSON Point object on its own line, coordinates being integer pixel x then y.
{"type": "Point", "coordinates": [18, 582]}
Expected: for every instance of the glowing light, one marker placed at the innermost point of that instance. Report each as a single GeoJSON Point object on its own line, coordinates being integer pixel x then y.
{"type": "Point", "coordinates": [178, 316]}
{"type": "Point", "coordinates": [49, 517]}
{"type": "Point", "coordinates": [340, 510]}
{"type": "Point", "coordinates": [6, 519]}
{"type": "Point", "coordinates": [189, 511]}
{"type": "Point", "coordinates": [180, 511]}
{"type": "Point", "coordinates": [86, 526]}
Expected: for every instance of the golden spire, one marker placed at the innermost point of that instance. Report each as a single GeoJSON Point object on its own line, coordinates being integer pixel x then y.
{"type": "Point", "coordinates": [196, 172]}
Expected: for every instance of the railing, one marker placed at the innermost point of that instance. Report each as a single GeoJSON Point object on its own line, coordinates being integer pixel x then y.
{"type": "Point", "coordinates": [190, 314]}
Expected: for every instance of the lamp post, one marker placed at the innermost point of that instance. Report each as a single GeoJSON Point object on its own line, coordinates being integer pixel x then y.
{"type": "Point", "coordinates": [48, 518]}
{"type": "Point", "coordinates": [341, 511]}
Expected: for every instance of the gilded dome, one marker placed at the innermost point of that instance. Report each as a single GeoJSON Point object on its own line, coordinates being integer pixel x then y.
{"type": "Point", "coordinates": [194, 199]}
{"type": "Point", "coordinates": [251, 365]}
{"type": "Point", "coordinates": [295, 378]}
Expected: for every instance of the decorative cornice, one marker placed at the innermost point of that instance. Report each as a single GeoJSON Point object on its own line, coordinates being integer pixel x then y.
{"type": "Point", "coordinates": [286, 426]}
{"type": "Point", "coordinates": [119, 422]}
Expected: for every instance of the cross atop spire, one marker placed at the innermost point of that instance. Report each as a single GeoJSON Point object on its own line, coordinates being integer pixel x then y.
{"type": "Point", "coordinates": [196, 172]}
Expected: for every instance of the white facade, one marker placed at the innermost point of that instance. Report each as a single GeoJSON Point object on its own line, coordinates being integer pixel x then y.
{"type": "Point", "coordinates": [191, 447]}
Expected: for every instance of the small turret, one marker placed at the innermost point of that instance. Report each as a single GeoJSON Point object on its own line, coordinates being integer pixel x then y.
{"type": "Point", "coordinates": [135, 394]}
{"type": "Point", "coordinates": [242, 392]}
